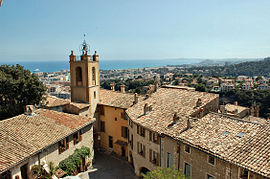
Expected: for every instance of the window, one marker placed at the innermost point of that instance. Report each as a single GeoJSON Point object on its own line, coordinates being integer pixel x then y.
{"type": "Point", "coordinates": [102, 126]}
{"type": "Point", "coordinates": [140, 131]}
{"type": "Point", "coordinates": [154, 137]}
{"type": "Point", "coordinates": [115, 119]}
{"type": "Point", "coordinates": [95, 95]}
{"type": "Point", "coordinates": [153, 157]}
{"type": "Point", "coordinates": [123, 116]}
{"type": "Point", "coordinates": [211, 159]}
{"type": "Point", "coordinates": [187, 149]}
{"type": "Point", "coordinates": [78, 76]}
{"type": "Point", "coordinates": [101, 110]}
{"type": "Point", "coordinates": [243, 173]}
{"type": "Point", "coordinates": [187, 171]}
{"type": "Point", "coordinates": [63, 145]}
{"type": "Point", "coordinates": [77, 137]}
{"type": "Point", "coordinates": [169, 160]}
{"type": "Point", "coordinates": [141, 149]}
{"type": "Point", "coordinates": [6, 175]}
{"type": "Point", "coordinates": [110, 141]}
{"type": "Point", "coordinates": [124, 132]}
{"type": "Point", "coordinates": [94, 75]}
{"type": "Point", "coordinates": [240, 134]}
{"type": "Point", "coordinates": [209, 177]}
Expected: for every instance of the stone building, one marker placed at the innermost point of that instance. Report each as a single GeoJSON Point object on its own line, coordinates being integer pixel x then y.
{"type": "Point", "coordinates": [111, 128]}
{"type": "Point", "coordinates": [41, 137]}
{"type": "Point", "coordinates": [180, 128]}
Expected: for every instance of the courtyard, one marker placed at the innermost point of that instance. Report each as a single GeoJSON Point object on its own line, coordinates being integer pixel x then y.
{"type": "Point", "coordinates": [109, 167]}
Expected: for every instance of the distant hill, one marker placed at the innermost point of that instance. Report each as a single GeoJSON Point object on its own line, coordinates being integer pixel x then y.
{"type": "Point", "coordinates": [251, 68]}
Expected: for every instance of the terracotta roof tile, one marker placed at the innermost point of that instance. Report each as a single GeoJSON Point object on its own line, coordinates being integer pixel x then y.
{"type": "Point", "coordinates": [52, 101]}
{"type": "Point", "coordinates": [117, 99]}
{"type": "Point", "coordinates": [23, 135]}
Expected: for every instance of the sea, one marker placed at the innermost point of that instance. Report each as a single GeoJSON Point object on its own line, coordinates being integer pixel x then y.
{"type": "Point", "coordinates": [53, 66]}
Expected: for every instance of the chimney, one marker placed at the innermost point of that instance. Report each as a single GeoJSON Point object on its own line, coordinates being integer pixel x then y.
{"type": "Point", "coordinates": [222, 109]}
{"type": "Point", "coordinates": [236, 103]}
{"type": "Point", "coordinates": [29, 110]}
{"type": "Point", "coordinates": [175, 117]}
{"type": "Point", "coordinates": [146, 109]}
{"type": "Point", "coordinates": [122, 87]}
{"type": "Point", "coordinates": [156, 85]}
{"type": "Point", "coordinates": [188, 124]}
{"type": "Point", "coordinates": [201, 112]}
{"type": "Point", "coordinates": [135, 98]}
{"type": "Point", "coordinates": [112, 86]}
{"type": "Point", "coordinates": [199, 102]}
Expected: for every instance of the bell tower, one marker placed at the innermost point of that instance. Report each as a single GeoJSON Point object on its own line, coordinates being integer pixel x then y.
{"type": "Point", "coordinates": [84, 78]}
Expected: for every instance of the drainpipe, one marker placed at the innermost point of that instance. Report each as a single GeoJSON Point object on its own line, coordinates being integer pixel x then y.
{"type": "Point", "coordinates": [160, 151]}
{"type": "Point", "coordinates": [178, 156]}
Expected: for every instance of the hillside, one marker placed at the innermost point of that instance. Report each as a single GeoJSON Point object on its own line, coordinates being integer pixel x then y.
{"type": "Point", "coordinates": [255, 68]}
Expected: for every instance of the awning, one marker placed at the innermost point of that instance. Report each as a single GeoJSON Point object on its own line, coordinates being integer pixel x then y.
{"type": "Point", "coordinates": [121, 143]}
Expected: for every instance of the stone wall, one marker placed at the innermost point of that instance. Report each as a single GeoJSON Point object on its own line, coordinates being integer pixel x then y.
{"type": "Point", "coordinates": [51, 153]}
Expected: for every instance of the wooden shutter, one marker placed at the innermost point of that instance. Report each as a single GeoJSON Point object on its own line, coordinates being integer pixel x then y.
{"type": "Point", "coordinates": [150, 155]}
{"type": "Point", "coordinates": [143, 150]}
{"type": "Point", "coordinates": [150, 136]}
{"type": "Point", "coordinates": [74, 139]}
{"type": "Point", "coordinates": [158, 157]}
{"type": "Point", "coordinates": [67, 143]}
{"type": "Point", "coordinates": [59, 147]}
{"type": "Point", "coordinates": [80, 133]}
{"type": "Point", "coordinates": [138, 150]}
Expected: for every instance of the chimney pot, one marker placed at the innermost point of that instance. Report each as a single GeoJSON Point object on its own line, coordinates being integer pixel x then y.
{"type": "Point", "coordinates": [122, 87]}
{"type": "Point", "coordinates": [199, 102]}
{"type": "Point", "coordinates": [112, 86]}
{"type": "Point", "coordinates": [188, 124]}
{"type": "Point", "coordinates": [29, 110]}
{"type": "Point", "coordinates": [135, 98]}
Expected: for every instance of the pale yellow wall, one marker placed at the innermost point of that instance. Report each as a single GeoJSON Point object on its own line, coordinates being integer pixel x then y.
{"type": "Point", "coordinates": [112, 128]}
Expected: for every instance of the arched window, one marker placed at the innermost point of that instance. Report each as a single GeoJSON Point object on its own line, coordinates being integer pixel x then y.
{"type": "Point", "coordinates": [94, 76]}
{"type": "Point", "coordinates": [79, 76]}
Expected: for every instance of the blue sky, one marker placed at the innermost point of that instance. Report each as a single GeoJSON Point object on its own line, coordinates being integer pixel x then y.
{"type": "Point", "coordinates": [134, 29]}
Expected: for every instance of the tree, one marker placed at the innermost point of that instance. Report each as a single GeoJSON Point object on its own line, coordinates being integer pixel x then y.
{"type": "Point", "coordinates": [164, 173]}
{"type": "Point", "coordinates": [18, 88]}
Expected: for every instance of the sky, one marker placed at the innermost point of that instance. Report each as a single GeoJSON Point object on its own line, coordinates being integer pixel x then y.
{"type": "Point", "coordinates": [46, 30]}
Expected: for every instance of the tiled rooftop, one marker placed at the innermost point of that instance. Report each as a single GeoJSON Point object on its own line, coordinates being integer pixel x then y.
{"type": "Point", "coordinates": [218, 134]}
{"type": "Point", "coordinates": [79, 105]}
{"type": "Point", "coordinates": [52, 101]}
{"type": "Point", "coordinates": [23, 135]}
{"type": "Point", "coordinates": [254, 153]}
{"type": "Point", "coordinates": [117, 99]}
{"type": "Point", "coordinates": [232, 108]}
{"type": "Point", "coordinates": [165, 103]}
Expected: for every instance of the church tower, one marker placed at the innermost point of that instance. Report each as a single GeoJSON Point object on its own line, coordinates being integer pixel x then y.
{"type": "Point", "coordinates": [84, 78]}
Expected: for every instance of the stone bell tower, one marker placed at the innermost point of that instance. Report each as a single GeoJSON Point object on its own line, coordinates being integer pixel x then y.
{"type": "Point", "coordinates": [84, 78]}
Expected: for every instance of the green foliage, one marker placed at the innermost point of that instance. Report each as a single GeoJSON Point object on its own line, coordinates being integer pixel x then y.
{"type": "Point", "coordinates": [70, 164]}
{"type": "Point", "coordinates": [164, 173]}
{"type": "Point", "coordinates": [38, 172]}
{"type": "Point", "coordinates": [256, 68]}
{"type": "Point", "coordinates": [247, 97]}
{"type": "Point", "coordinates": [134, 86]}
{"type": "Point", "coordinates": [18, 88]}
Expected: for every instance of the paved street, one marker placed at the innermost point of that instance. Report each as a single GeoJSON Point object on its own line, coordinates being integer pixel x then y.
{"type": "Point", "coordinates": [108, 167]}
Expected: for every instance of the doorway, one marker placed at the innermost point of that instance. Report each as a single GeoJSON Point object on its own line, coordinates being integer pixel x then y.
{"type": "Point", "coordinates": [24, 171]}
{"type": "Point", "coordinates": [123, 151]}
